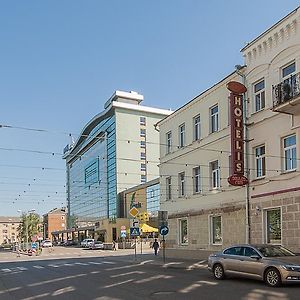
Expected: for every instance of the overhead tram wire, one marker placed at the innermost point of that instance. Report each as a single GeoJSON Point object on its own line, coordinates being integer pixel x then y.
{"type": "Point", "coordinates": [134, 141]}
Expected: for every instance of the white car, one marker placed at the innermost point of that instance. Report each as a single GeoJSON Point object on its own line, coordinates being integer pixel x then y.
{"type": "Point", "coordinates": [87, 242]}
{"type": "Point", "coordinates": [96, 245]}
{"type": "Point", "coordinates": [47, 243]}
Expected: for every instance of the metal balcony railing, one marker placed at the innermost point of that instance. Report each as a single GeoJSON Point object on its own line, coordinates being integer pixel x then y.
{"type": "Point", "coordinates": [286, 90]}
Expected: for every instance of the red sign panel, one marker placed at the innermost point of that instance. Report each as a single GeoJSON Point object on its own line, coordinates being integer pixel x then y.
{"type": "Point", "coordinates": [237, 180]}
{"type": "Point", "coordinates": [237, 133]}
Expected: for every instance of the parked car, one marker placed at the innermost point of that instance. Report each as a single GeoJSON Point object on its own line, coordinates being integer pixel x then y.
{"type": "Point", "coordinates": [87, 242]}
{"type": "Point", "coordinates": [96, 245]}
{"type": "Point", "coordinates": [69, 243]}
{"type": "Point", "coordinates": [47, 243]}
{"type": "Point", "coordinates": [270, 263]}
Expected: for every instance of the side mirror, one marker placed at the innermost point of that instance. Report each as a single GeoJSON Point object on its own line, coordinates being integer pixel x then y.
{"type": "Point", "coordinates": [257, 257]}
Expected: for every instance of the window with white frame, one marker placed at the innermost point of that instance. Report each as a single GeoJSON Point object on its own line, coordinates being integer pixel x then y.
{"type": "Point", "coordinates": [215, 174]}
{"type": "Point", "coordinates": [143, 178]}
{"type": "Point", "coordinates": [169, 141]}
{"type": "Point", "coordinates": [181, 181]}
{"type": "Point", "coordinates": [273, 225]}
{"type": "Point", "coordinates": [142, 120]}
{"type": "Point", "coordinates": [183, 232]}
{"type": "Point", "coordinates": [197, 180]}
{"type": "Point", "coordinates": [182, 135]}
{"type": "Point", "coordinates": [259, 96]}
{"type": "Point", "coordinates": [216, 229]}
{"type": "Point", "coordinates": [143, 155]}
{"type": "Point", "coordinates": [289, 152]}
{"type": "Point", "coordinates": [214, 118]}
{"type": "Point", "coordinates": [288, 74]}
{"type": "Point", "coordinates": [197, 128]}
{"type": "Point", "coordinates": [168, 188]}
{"type": "Point", "coordinates": [142, 132]}
{"type": "Point", "coordinates": [260, 161]}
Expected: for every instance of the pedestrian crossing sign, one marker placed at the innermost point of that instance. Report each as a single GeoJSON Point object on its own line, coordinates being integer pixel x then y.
{"type": "Point", "coordinates": [134, 231]}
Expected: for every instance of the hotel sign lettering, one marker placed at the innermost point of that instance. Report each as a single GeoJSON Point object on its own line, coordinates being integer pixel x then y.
{"type": "Point", "coordinates": [237, 134]}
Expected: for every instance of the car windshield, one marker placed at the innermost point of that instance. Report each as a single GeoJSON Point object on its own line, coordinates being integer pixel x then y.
{"type": "Point", "coordinates": [274, 251]}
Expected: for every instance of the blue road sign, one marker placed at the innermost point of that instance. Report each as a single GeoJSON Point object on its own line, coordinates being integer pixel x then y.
{"type": "Point", "coordinates": [134, 231]}
{"type": "Point", "coordinates": [164, 230]}
{"type": "Point", "coordinates": [123, 234]}
{"type": "Point", "coordinates": [33, 245]}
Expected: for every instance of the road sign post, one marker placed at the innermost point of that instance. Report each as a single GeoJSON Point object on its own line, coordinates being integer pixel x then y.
{"type": "Point", "coordinates": [164, 230]}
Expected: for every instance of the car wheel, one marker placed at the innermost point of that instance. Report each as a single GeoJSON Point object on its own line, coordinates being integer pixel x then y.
{"type": "Point", "coordinates": [272, 277]}
{"type": "Point", "coordinates": [218, 272]}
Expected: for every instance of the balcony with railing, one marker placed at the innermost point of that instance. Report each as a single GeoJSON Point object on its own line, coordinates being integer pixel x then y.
{"type": "Point", "coordinates": [286, 95]}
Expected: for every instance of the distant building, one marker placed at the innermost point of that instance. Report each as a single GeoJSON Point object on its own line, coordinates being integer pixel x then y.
{"type": "Point", "coordinates": [8, 229]}
{"type": "Point", "coordinates": [116, 150]}
{"type": "Point", "coordinates": [146, 198]}
{"type": "Point", "coordinates": [54, 220]}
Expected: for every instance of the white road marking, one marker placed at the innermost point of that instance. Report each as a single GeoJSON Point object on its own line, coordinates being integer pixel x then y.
{"type": "Point", "coordinates": [81, 264]}
{"type": "Point", "coordinates": [109, 262]}
{"type": "Point", "coordinates": [154, 278]}
{"type": "Point", "coordinates": [38, 267]}
{"type": "Point", "coordinates": [197, 265]}
{"type": "Point", "coordinates": [21, 268]}
{"type": "Point", "coordinates": [146, 261]}
{"type": "Point", "coordinates": [68, 265]}
{"type": "Point", "coordinates": [53, 266]}
{"type": "Point", "coordinates": [6, 270]}
{"type": "Point", "coordinates": [116, 284]}
{"type": "Point", "coordinates": [172, 263]}
{"type": "Point", "coordinates": [94, 263]}
{"type": "Point", "coordinates": [128, 273]}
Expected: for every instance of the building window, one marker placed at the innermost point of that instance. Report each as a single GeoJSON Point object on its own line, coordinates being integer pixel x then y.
{"type": "Point", "coordinates": [143, 178]}
{"type": "Point", "coordinates": [143, 167]}
{"type": "Point", "coordinates": [143, 144]}
{"type": "Point", "coordinates": [143, 155]}
{"type": "Point", "coordinates": [197, 180]}
{"type": "Point", "coordinates": [214, 119]}
{"type": "Point", "coordinates": [142, 132]}
{"type": "Point", "coordinates": [168, 188]}
{"type": "Point", "coordinates": [288, 71]}
{"type": "Point", "coordinates": [260, 161]}
{"type": "Point", "coordinates": [183, 232]}
{"type": "Point", "coordinates": [197, 128]}
{"type": "Point", "coordinates": [142, 120]}
{"type": "Point", "coordinates": [169, 142]}
{"type": "Point", "coordinates": [289, 149]}
{"type": "Point", "coordinates": [215, 174]}
{"type": "Point", "coordinates": [273, 226]}
{"type": "Point", "coordinates": [182, 135]}
{"type": "Point", "coordinates": [181, 178]}
{"type": "Point", "coordinates": [216, 229]}
{"type": "Point", "coordinates": [259, 95]}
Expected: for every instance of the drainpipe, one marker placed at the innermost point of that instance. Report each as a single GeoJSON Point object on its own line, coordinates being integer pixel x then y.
{"type": "Point", "coordinates": [246, 151]}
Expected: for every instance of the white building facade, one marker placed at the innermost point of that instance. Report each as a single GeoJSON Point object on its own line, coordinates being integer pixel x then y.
{"type": "Point", "coordinates": [205, 211]}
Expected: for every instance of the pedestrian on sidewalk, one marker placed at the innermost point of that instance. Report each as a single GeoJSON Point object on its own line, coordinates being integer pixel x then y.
{"type": "Point", "coordinates": [155, 246]}
{"type": "Point", "coordinates": [114, 247]}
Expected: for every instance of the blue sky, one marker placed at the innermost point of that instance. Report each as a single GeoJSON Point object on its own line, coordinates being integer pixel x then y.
{"type": "Point", "coordinates": [61, 60]}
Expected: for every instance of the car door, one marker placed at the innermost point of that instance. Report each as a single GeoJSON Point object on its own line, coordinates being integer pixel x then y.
{"type": "Point", "coordinates": [250, 265]}
{"type": "Point", "coordinates": [232, 258]}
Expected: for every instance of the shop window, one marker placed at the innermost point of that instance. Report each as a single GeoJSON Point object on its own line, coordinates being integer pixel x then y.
{"type": "Point", "coordinates": [216, 229]}
{"type": "Point", "coordinates": [183, 231]}
{"type": "Point", "coordinates": [273, 226]}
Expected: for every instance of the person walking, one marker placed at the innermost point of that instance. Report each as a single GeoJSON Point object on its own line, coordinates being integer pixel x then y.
{"type": "Point", "coordinates": [155, 246]}
{"type": "Point", "coordinates": [114, 246]}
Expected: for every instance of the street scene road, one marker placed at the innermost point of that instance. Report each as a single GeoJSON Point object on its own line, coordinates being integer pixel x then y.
{"type": "Point", "coordinates": [74, 273]}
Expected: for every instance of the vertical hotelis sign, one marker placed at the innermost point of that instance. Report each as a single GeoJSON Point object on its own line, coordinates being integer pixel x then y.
{"type": "Point", "coordinates": [237, 90]}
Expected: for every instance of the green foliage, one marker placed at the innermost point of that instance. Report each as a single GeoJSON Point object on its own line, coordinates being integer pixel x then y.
{"type": "Point", "coordinates": [30, 225]}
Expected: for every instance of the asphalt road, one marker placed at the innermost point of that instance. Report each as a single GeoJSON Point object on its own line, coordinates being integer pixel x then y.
{"type": "Point", "coordinates": [112, 276]}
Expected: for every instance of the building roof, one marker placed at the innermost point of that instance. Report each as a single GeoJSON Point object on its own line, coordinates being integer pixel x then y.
{"type": "Point", "coordinates": [142, 186]}
{"type": "Point", "coordinates": [116, 101]}
{"type": "Point", "coordinates": [54, 211]}
{"type": "Point", "coordinates": [10, 219]}
{"type": "Point", "coordinates": [269, 29]}
{"type": "Point", "coordinates": [201, 94]}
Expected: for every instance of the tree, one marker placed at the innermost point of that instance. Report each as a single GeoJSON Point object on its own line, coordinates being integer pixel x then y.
{"type": "Point", "coordinates": [29, 226]}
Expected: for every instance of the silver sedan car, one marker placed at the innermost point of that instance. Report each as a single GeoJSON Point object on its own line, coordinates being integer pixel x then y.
{"type": "Point", "coordinates": [270, 263]}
